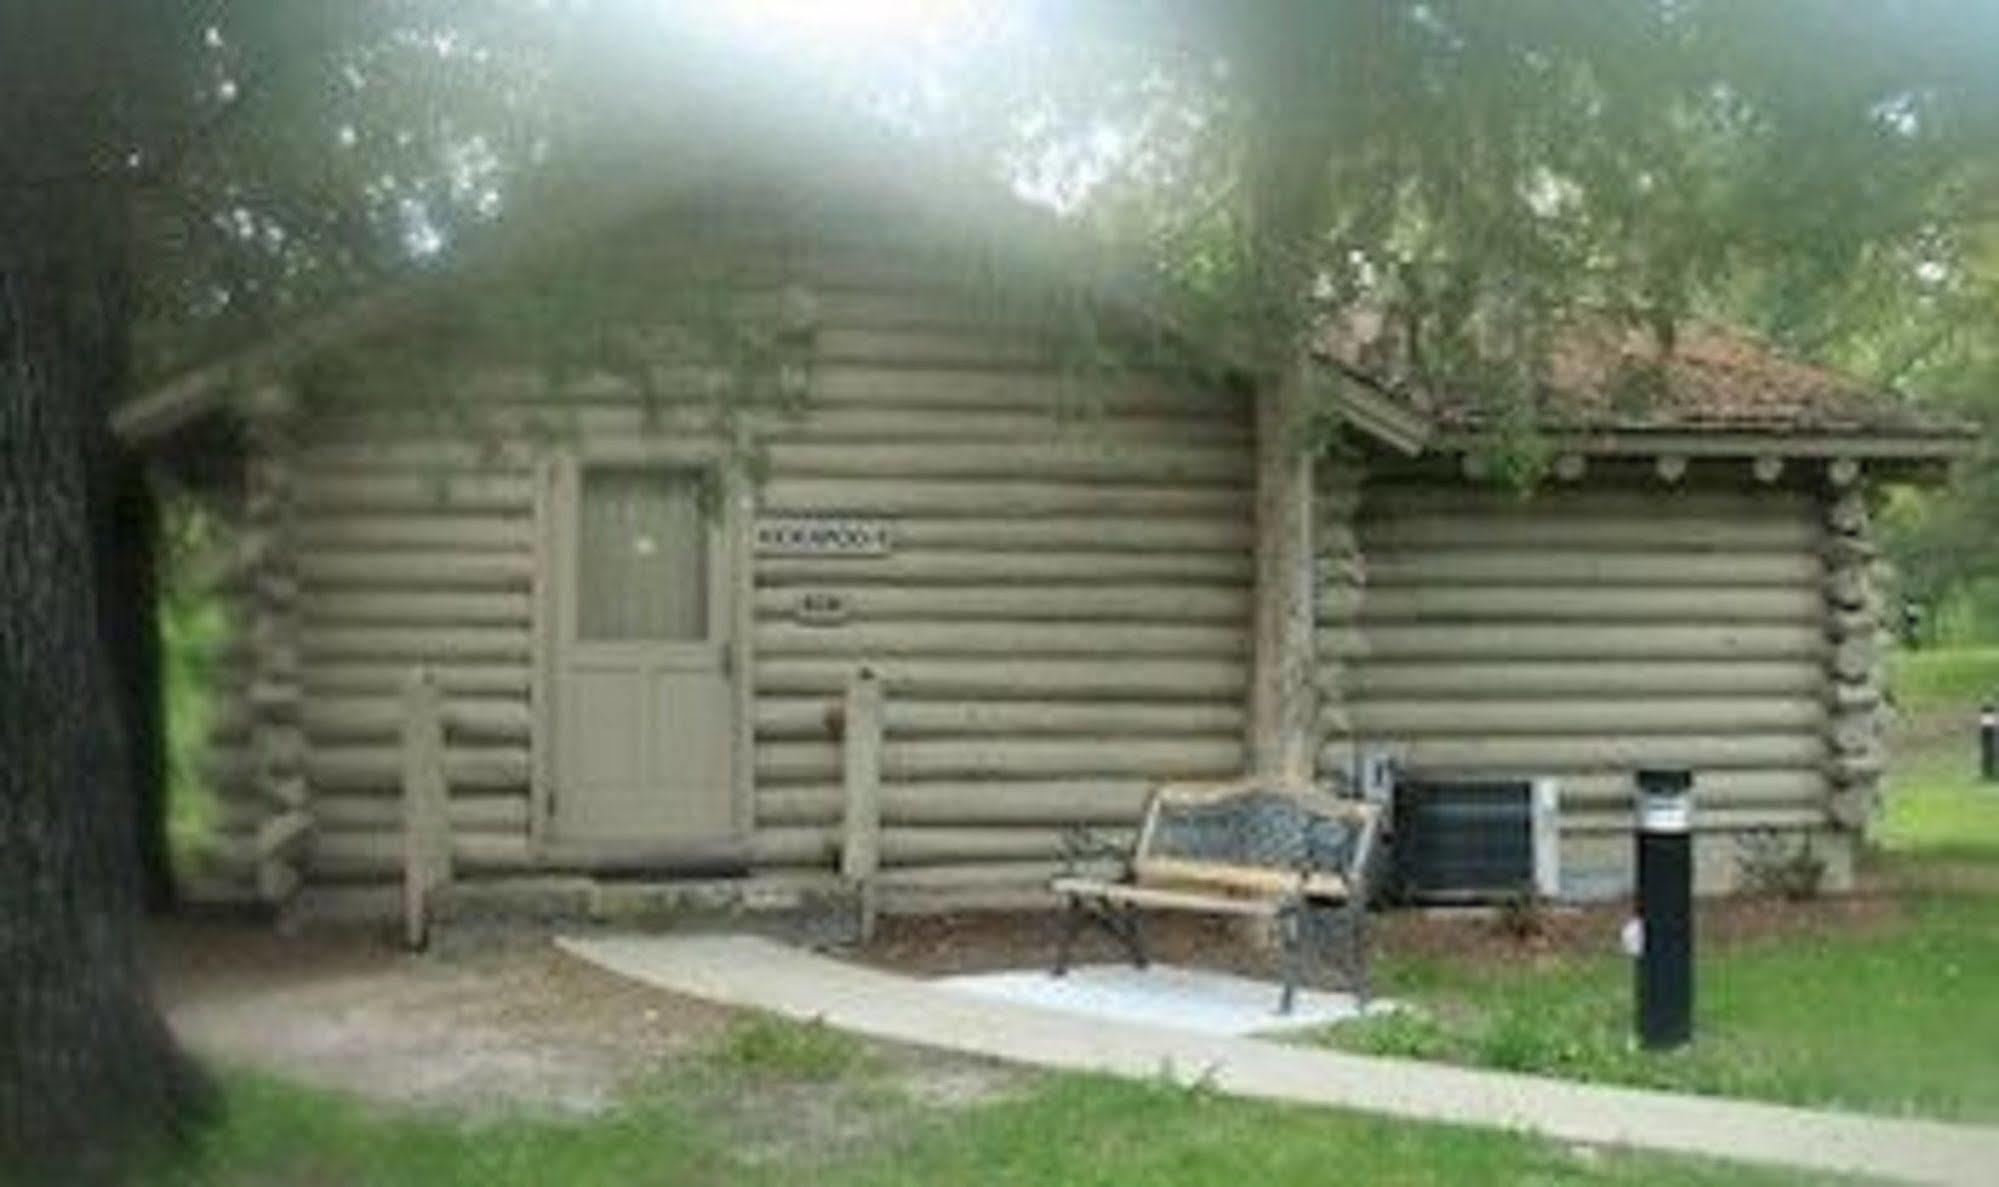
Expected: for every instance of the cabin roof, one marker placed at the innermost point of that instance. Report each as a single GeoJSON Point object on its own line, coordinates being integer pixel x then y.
{"type": "Point", "coordinates": [1614, 382]}
{"type": "Point", "coordinates": [929, 201]}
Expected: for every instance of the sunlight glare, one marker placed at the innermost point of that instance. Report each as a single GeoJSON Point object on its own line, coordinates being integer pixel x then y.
{"type": "Point", "coordinates": [853, 22]}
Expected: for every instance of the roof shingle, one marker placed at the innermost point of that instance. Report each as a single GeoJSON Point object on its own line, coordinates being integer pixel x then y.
{"type": "Point", "coordinates": [1612, 378]}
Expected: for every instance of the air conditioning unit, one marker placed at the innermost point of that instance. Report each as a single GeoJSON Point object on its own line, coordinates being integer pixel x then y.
{"type": "Point", "coordinates": [1468, 839]}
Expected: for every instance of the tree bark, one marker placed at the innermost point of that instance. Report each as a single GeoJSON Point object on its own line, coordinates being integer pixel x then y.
{"type": "Point", "coordinates": [88, 1071]}
{"type": "Point", "coordinates": [1289, 53]}
{"type": "Point", "coordinates": [126, 547]}
{"type": "Point", "coordinates": [1284, 654]}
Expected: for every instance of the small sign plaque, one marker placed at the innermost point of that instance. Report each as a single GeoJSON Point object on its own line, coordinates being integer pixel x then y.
{"type": "Point", "coordinates": [823, 536]}
{"type": "Point", "coordinates": [819, 607]}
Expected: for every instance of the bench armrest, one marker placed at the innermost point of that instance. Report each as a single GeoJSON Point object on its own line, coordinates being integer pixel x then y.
{"type": "Point", "coordinates": [1081, 843]}
{"type": "Point", "coordinates": [1359, 877]}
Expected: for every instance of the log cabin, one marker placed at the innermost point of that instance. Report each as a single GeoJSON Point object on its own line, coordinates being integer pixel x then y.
{"type": "Point", "coordinates": [860, 568]}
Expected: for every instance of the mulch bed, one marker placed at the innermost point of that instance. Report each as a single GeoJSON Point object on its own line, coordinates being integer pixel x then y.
{"type": "Point", "coordinates": [986, 941]}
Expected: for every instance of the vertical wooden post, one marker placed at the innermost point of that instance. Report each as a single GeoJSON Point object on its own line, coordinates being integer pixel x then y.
{"type": "Point", "coordinates": [277, 736]}
{"type": "Point", "coordinates": [860, 849]}
{"type": "Point", "coordinates": [1284, 655]}
{"type": "Point", "coordinates": [426, 810]}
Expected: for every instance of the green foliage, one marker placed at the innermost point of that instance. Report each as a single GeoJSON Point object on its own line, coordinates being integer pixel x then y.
{"type": "Point", "coordinates": [769, 1047]}
{"type": "Point", "coordinates": [1942, 543]}
{"type": "Point", "coordinates": [1943, 345]}
{"type": "Point", "coordinates": [1965, 610]}
{"type": "Point", "coordinates": [306, 151]}
{"type": "Point", "coordinates": [1481, 174]}
{"type": "Point", "coordinates": [1405, 1033]}
{"type": "Point", "coordinates": [1475, 174]}
{"type": "Point", "coordinates": [191, 628]}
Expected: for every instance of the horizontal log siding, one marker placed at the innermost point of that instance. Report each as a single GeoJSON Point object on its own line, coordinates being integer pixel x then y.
{"type": "Point", "coordinates": [413, 553]}
{"type": "Point", "coordinates": [419, 546]}
{"type": "Point", "coordinates": [1585, 632]}
{"type": "Point", "coordinates": [1062, 620]}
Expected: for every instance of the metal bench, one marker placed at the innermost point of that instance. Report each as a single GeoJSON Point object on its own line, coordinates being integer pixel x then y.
{"type": "Point", "coordinates": [1296, 856]}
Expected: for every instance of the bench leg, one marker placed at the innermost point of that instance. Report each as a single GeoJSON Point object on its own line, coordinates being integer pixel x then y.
{"type": "Point", "coordinates": [1072, 925]}
{"type": "Point", "coordinates": [1290, 936]}
{"type": "Point", "coordinates": [1133, 934]}
{"type": "Point", "coordinates": [1357, 957]}
{"type": "Point", "coordinates": [1122, 923]}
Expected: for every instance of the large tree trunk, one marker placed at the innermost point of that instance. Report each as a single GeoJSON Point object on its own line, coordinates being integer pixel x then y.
{"type": "Point", "coordinates": [1284, 657]}
{"type": "Point", "coordinates": [88, 1071]}
{"type": "Point", "coordinates": [126, 537]}
{"type": "Point", "coordinates": [1288, 52]}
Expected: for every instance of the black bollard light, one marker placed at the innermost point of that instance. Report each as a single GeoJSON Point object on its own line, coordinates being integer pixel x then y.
{"type": "Point", "coordinates": [1665, 973]}
{"type": "Point", "coordinates": [1988, 743]}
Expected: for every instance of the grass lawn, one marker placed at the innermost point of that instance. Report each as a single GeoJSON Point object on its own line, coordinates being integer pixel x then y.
{"type": "Point", "coordinates": [1938, 811]}
{"type": "Point", "coordinates": [1937, 808]}
{"type": "Point", "coordinates": [1952, 679]}
{"type": "Point", "coordinates": [1066, 1130]}
{"type": "Point", "coordinates": [1903, 1020]}
{"type": "Point", "coordinates": [1079, 1130]}
{"type": "Point", "coordinates": [1900, 1016]}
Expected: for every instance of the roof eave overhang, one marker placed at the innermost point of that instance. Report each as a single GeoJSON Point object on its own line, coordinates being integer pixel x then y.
{"type": "Point", "coordinates": [1384, 417]}
{"type": "Point", "coordinates": [1918, 458]}
{"type": "Point", "coordinates": [1861, 445]}
{"type": "Point", "coordinates": [152, 419]}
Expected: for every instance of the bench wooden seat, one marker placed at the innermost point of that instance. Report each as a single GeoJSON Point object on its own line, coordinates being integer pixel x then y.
{"type": "Point", "coordinates": [1166, 898]}
{"type": "Point", "coordinates": [1217, 876]}
{"type": "Point", "coordinates": [1249, 848]}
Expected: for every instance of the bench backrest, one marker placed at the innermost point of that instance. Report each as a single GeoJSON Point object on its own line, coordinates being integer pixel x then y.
{"type": "Point", "coordinates": [1258, 825]}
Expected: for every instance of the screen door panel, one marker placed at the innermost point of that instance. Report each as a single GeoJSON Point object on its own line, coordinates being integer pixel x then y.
{"type": "Point", "coordinates": [645, 707]}
{"type": "Point", "coordinates": [642, 557]}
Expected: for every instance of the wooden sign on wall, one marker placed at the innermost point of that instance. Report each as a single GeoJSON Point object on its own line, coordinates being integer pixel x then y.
{"type": "Point", "coordinates": [821, 607]}
{"type": "Point", "coordinates": [823, 536]}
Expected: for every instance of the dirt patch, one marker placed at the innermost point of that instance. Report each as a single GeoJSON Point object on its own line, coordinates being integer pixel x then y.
{"type": "Point", "coordinates": [512, 1024]}
{"type": "Point", "coordinates": [505, 1025]}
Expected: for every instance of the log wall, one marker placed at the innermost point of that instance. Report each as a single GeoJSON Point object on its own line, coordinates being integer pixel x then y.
{"type": "Point", "coordinates": [1061, 619]}
{"type": "Point", "coordinates": [1596, 627]}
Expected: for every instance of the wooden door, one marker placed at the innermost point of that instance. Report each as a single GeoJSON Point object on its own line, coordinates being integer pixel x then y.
{"type": "Point", "coordinates": [644, 688]}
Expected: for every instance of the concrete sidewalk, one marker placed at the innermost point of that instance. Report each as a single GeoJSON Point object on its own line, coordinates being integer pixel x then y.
{"type": "Point", "coordinates": [746, 971]}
